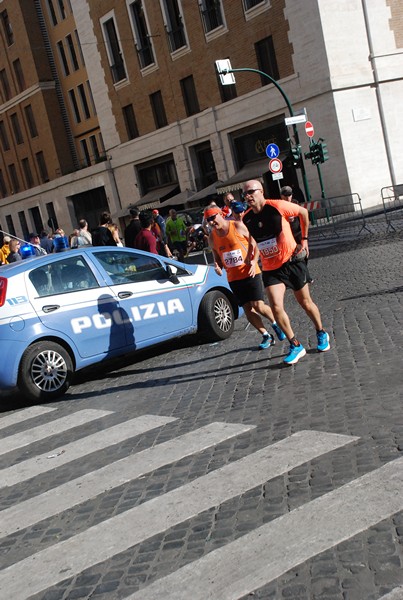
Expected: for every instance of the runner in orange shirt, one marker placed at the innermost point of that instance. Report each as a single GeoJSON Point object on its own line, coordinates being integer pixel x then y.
{"type": "Point", "coordinates": [267, 222]}
{"type": "Point", "coordinates": [229, 241]}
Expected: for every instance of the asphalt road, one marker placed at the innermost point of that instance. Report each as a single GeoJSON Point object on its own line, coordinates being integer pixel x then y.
{"type": "Point", "coordinates": [213, 472]}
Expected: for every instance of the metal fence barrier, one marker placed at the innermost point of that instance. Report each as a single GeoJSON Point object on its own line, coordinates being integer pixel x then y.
{"type": "Point", "coordinates": [330, 216]}
{"type": "Point", "coordinates": [392, 200]}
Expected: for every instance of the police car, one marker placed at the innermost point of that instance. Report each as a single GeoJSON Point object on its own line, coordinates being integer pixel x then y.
{"type": "Point", "coordinates": [62, 312]}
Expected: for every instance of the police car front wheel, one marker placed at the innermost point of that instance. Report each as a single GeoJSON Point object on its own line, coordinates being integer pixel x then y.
{"type": "Point", "coordinates": [46, 370]}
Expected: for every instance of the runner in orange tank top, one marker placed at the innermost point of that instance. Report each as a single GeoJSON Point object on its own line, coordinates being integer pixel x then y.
{"type": "Point", "coordinates": [229, 241]}
{"type": "Point", "coordinates": [267, 222]}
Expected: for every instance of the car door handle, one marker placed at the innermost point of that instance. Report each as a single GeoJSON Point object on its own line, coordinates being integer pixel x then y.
{"type": "Point", "coordinates": [125, 294]}
{"type": "Point", "coordinates": [50, 308]}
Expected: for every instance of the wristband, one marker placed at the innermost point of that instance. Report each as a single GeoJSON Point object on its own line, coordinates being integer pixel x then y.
{"type": "Point", "coordinates": [304, 238]}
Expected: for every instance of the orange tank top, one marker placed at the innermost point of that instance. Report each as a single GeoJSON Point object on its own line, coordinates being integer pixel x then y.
{"type": "Point", "coordinates": [232, 249]}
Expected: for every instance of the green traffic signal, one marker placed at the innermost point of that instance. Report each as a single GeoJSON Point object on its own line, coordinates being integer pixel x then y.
{"type": "Point", "coordinates": [296, 155]}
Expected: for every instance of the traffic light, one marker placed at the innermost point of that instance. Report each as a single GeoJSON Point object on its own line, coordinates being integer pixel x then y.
{"type": "Point", "coordinates": [314, 153]}
{"type": "Point", "coordinates": [323, 151]}
{"type": "Point", "coordinates": [296, 156]}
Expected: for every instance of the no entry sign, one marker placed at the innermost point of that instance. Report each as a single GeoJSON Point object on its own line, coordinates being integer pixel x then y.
{"type": "Point", "coordinates": [309, 130]}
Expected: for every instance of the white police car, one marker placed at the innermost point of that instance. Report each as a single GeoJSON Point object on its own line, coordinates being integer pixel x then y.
{"type": "Point", "coordinates": [62, 312]}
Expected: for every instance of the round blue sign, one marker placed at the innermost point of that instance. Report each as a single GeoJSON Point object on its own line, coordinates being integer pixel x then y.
{"type": "Point", "coordinates": [272, 151]}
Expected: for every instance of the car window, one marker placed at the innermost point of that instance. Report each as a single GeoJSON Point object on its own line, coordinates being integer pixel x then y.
{"type": "Point", "coordinates": [67, 275]}
{"type": "Point", "coordinates": [129, 267]}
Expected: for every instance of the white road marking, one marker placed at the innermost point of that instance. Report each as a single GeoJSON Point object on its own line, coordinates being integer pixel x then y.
{"type": "Point", "coordinates": [106, 539]}
{"type": "Point", "coordinates": [19, 440]}
{"type": "Point", "coordinates": [82, 447]}
{"type": "Point", "coordinates": [396, 594]}
{"type": "Point", "coordinates": [268, 552]}
{"type": "Point", "coordinates": [23, 415]}
{"type": "Point", "coordinates": [92, 484]}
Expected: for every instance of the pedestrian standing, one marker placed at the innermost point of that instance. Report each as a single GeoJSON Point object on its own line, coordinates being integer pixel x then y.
{"type": "Point", "coordinates": [145, 239]}
{"type": "Point", "coordinates": [267, 222]}
{"type": "Point", "coordinates": [133, 228]}
{"type": "Point", "coordinates": [14, 254]}
{"type": "Point", "coordinates": [101, 236]}
{"type": "Point", "coordinates": [229, 241]}
{"type": "Point", "coordinates": [176, 231]}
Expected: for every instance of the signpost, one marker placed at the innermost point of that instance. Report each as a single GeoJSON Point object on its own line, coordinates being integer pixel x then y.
{"type": "Point", "coordinates": [309, 130]}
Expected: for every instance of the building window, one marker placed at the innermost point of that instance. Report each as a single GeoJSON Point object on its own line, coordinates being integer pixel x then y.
{"type": "Point", "coordinates": [10, 225]}
{"type": "Point", "coordinates": [211, 14]}
{"type": "Point", "coordinates": [114, 51]}
{"type": "Point", "coordinates": [19, 75]}
{"type": "Point", "coordinates": [29, 180]}
{"type": "Point", "coordinates": [205, 164]}
{"type": "Point", "coordinates": [141, 35]}
{"type": "Point", "coordinates": [248, 4]}
{"type": "Point", "coordinates": [40, 159]}
{"type": "Point", "coordinates": [3, 188]}
{"type": "Point", "coordinates": [72, 52]}
{"type": "Point", "coordinates": [266, 59]}
{"type": "Point", "coordinates": [174, 24]}
{"type": "Point", "coordinates": [16, 129]}
{"type": "Point", "coordinates": [80, 50]}
{"type": "Point", "coordinates": [8, 30]}
{"type": "Point", "coordinates": [94, 148]}
{"type": "Point", "coordinates": [83, 100]}
{"type": "Point", "coordinates": [29, 115]}
{"type": "Point", "coordinates": [91, 98]}
{"type": "Point", "coordinates": [5, 86]}
{"type": "Point", "coordinates": [52, 222]}
{"type": "Point", "coordinates": [52, 12]}
{"type": "Point", "coordinates": [4, 137]}
{"type": "Point", "coordinates": [74, 106]}
{"type": "Point", "coordinates": [15, 184]}
{"type": "Point", "coordinates": [155, 175]}
{"type": "Point", "coordinates": [157, 105]}
{"type": "Point", "coordinates": [130, 122]}
{"type": "Point", "coordinates": [24, 224]}
{"type": "Point", "coordinates": [62, 9]}
{"type": "Point", "coordinates": [63, 58]}
{"type": "Point", "coordinates": [189, 96]}
{"type": "Point", "coordinates": [85, 153]}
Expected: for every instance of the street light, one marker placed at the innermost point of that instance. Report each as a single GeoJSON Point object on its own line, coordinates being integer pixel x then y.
{"type": "Point", "coordinates": [225, 70]}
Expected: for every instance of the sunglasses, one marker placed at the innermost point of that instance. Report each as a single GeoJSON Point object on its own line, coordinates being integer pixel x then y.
{"type": "Point", "coordinates": [250, 192]}
{"type": "Point", "coordinates": [211, 219]}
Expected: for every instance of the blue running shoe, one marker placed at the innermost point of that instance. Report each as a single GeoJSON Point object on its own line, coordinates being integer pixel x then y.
{"type": "Point", "coordinates": [323, 341]}
{"type": "Point", "coordinates": [294, 354]}
{"type": "Point", "coordinates": [279, 333]}
{"type": "Point", "coordinates": [267, 341]}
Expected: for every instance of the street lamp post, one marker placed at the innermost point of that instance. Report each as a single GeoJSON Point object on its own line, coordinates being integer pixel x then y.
{"type": "Point", "coordinates": [225, 70]}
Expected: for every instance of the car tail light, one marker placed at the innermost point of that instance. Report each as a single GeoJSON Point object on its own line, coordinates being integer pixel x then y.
{"type": "Point", "coordinates": [3, 290]}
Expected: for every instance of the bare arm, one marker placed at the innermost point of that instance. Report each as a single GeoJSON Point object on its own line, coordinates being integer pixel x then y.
{"type": "Point", "coordinates": [303, 215]}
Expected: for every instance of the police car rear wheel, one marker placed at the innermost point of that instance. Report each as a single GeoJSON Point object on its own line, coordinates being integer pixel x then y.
{"type": "Point", "coordinates": [46, 370]}
{"type": "Point", "coordinates": [216, 317]}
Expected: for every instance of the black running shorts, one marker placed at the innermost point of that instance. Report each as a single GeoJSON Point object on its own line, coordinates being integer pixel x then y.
{"type": "Point", "coordinates": [293, 275]}
{"type": "Point", "coordinates": [248, 290]}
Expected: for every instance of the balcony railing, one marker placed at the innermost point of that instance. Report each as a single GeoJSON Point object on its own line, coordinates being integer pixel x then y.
{"type": "Point", "coordinates": [146, 56]}
{"type": "Point", "coordinates": [118, 71]}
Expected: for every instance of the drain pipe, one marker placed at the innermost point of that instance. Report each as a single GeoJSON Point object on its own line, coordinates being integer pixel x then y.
{"type": "Point", "coordinates": [372, 59]}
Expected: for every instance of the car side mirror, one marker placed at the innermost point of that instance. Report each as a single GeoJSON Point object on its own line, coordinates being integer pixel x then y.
{"type": "Point", "coordinates": [172, 276]}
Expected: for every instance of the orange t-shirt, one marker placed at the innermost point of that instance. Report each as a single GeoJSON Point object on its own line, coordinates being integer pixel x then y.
{"type": "Point", "coordinates": [232, 249]}
{"type": "Point", "coordinates": [272, 232]}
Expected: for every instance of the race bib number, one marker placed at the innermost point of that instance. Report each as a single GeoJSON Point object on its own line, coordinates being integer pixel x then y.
{"type": "Point", "coordinates": [233, 258]}
{"type": "Point", "coordinates": [268, 248]}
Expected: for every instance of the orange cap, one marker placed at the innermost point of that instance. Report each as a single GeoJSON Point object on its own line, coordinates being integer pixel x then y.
{"type": "Point", "coordinates": [213, 210]}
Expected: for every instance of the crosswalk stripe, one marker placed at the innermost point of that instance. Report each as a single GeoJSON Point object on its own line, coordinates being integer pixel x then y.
{"type": "Point", "coordinates": [117, 534]}
{"type": "Point", "coordinates": [268, 552]}
{"type": "Point", "coordinates": [23, 415]}
{"type": "Point", "coordinates": [88, 486]}
{"type": "Point", "coordinates": [396, 594]}
{"type": "Point", "coordinates": [19, 440]}
{"type": "Point", "coordinates": [82, 447]}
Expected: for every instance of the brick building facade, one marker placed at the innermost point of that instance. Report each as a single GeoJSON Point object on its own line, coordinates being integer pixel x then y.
{"type": "Point", "coordinates": [129, 108]}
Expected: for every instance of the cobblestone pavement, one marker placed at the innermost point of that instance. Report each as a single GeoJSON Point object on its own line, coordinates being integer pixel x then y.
{"type": "Point", "coordinates": [255, 506]}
